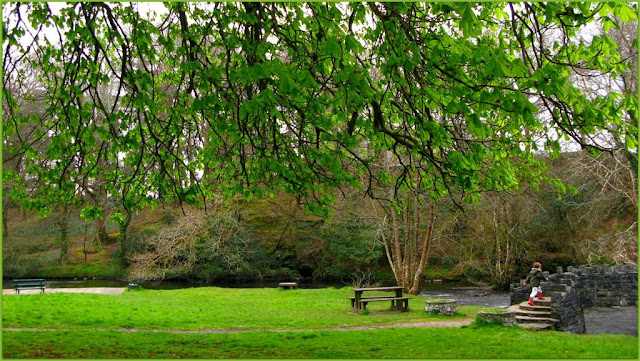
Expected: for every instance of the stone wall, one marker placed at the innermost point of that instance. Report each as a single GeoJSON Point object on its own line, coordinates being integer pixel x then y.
{"type": "Point", "coordinates": [584, 287]}
{"type": "Point", "coordinates": [605, 286]}
{"type": "Point", "coordinates": [506, 319]}
{"type": "Point", "coordinates": [566, 304]}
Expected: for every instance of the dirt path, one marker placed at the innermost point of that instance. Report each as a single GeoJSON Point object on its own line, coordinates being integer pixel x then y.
{"type": "Point", "coordinates": [95, 290]}
{"type": "Point", "coordinates": [459, 323]}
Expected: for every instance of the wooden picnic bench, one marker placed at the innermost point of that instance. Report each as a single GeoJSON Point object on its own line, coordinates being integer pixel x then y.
{"type": "Point", "coordinates": [27, 284]}
{"type": "Point", "coordinates": [398, 302]}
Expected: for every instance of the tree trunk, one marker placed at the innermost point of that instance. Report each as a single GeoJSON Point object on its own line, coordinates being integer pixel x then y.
{"type": "Point", "coordinates": [124, 224]}
{"type": "Point", "coordinates": [63, 223]}
{"type": "Point", "coordinates": [5, 217]}
{"type": "Point", "coordinates": [101, 235]}
{"type": "Point", "coordinates": [426, 246]}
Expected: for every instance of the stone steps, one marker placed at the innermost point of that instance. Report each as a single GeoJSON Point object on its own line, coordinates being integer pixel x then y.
{"type": "Point", "coordinates": [525, 306]}
{"type": "Point", "coordinates": [523, 312]}
{"type": "Point", "coordinates": [537, 326]}
{"type": "Point", "coordinates": [536, 317]}
{"type": "Point", "coordinates": [546, 302]}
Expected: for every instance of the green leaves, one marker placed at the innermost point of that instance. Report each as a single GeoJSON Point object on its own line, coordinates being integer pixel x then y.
{"type": "Point", "coordinates": [331, 48]}
{"type": "Point", "coordinates": [247, 99]}
{"type": "Point", "coordinates": [468, 20]}
{"type": "Point", "coordinates": [286, 84]}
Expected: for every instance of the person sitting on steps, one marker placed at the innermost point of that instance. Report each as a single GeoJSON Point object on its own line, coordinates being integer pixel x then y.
{"type": "Point", "coordinates": [534, 277]}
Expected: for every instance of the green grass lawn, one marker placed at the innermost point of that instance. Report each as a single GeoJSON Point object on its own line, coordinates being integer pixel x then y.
{"type": "Point", "coordinates": [207, 308]}
{"type": "Point", "coordinates": [274, 324]}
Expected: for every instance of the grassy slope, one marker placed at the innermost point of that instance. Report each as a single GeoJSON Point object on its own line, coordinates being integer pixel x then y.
{"type": "Point", "coordinates": [89, 327]}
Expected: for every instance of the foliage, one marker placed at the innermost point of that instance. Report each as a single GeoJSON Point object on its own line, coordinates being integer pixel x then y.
{"type": "Point", "coordinates": [28, 265]}
{"type": "Point", "coordinates": [348, 249]}
{"type": "Point", "coordinates": [249, 98]}
{"type": "Point", "coordinates": [201, 246]}
{"type": "Point", "coordinates": [108, 270]}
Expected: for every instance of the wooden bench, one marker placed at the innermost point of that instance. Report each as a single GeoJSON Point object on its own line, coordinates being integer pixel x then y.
{"type": "Point", "coordinates": [397, 303]}
{"type": "Point", "coordinates": [28, 284]}
{"type": "Point", "coordinates": [288, 285]}
{"type": "Point", "coordinates": [353, 300]}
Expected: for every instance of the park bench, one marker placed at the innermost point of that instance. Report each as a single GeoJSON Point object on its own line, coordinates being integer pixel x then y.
{"type": "Point", "coordinates": [134, 284]}
{"type": "Point", "coordinates": [397, 303]}
{"type": "Point", "coordinates": [288, 285]}
{"type": "Point", "coordinates": [28, 284]}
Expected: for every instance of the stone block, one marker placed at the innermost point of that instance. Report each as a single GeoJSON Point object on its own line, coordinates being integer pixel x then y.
{"type": "Point", "coordinates": [442, 307]}
{"type": "Point", "coordinates": [555, 287]}
{"type": "Point", "coordinates": [506, 319]}
{"type": "Point", "coordinates": [565, 281]}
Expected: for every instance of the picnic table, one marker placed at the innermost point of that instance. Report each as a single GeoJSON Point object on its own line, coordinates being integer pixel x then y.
{"type": "Point", "coordinates": [398, 302]}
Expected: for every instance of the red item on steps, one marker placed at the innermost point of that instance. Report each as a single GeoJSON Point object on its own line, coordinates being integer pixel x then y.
{"type": "Point", "coordinates": [539, 295]}
{"type": "Point", "coordinates": [530, 301]}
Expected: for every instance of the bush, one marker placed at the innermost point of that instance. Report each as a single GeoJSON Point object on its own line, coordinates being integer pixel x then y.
{"type": "Point", "coordinates": [349, 251]}
{"type": "Point", "coordinates": [28, 265]}
{"type": "Point", "coordinates": [109, 270]}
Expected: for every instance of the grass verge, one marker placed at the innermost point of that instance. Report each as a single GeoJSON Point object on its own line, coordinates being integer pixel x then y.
{"type": "Point", "coordinates": [485, 342]}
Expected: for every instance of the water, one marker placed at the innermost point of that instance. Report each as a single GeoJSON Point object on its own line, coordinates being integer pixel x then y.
{"type": "Point", "coordinates": [466, 294]}
{"type": "Point", "coordinates": [623, 320]}
{"type": "Point", "coordinates": [166, 285]}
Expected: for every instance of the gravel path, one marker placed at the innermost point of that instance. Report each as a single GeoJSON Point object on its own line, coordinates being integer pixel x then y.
{"type": "Point", "coordinates": [96, 290]}
{"type": "Point", "coordinates": [459, 323]}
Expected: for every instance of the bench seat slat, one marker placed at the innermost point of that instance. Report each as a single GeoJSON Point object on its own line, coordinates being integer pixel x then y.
{"type": "Point", "coordinates": [383, 299]}
{"type": "Point", "coordinates": [369, 297]}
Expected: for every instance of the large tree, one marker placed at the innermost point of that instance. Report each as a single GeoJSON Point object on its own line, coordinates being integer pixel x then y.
{"type": "Point", "coordinates": [250, 98]}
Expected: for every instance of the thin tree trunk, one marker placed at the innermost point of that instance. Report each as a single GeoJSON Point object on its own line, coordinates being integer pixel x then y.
{"type": "Point", "coordinates": [101, 230]}
{"type": "Point", "coordinates": [123, 238]}
{"type": "Point", "coordinates": [397, 250]}
{"type": "Point", "coordinates": [387, 250]}
{"type": "Point", "coordinates": [406, 260]}
{"type": "Point", "coordinates": [5, 224]}
{"type": "Point", "coordinates": [63, 223]}
{"type": "Point", "coordinates": [426, 246]}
